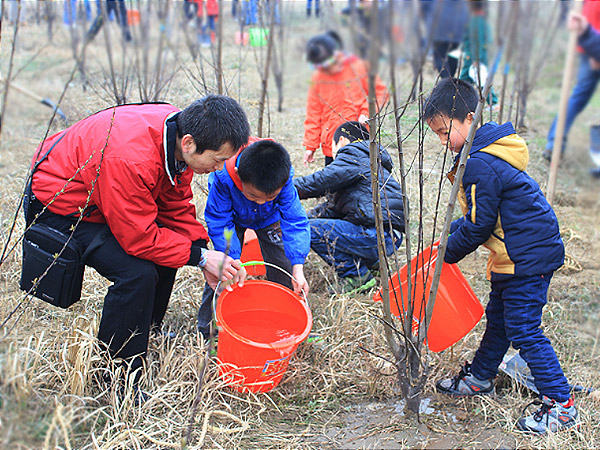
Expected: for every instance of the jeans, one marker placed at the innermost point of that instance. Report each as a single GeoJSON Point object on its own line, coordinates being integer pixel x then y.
{"type": "Point", "coordinates": [271, 247]}
{"type": "Point", "coordinates": [138, 298]}
{"type": "Point", "coordinates": [587, 80]}
{"type": "Point", "coordinates": [514, 316]}
{"type": "Point", "coordinates": [350, 249]}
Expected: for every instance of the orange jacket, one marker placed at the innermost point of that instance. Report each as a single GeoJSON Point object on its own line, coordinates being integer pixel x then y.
{"type": "Point", "coordinates": [335, 99]}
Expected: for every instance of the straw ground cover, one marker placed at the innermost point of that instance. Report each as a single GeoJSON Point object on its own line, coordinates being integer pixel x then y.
{"type": "Point", "coordinates": [334, 395]}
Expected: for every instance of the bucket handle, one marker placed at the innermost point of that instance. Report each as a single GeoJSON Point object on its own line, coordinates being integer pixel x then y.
{"type": "Point", "coordinates": [255, 263]}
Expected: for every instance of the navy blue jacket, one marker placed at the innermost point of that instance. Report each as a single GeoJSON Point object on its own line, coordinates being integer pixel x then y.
{"type": "Point", "coordinates": [504, 208]}
{"type": "Point", "coordinates": [590, 42]}
{"type": "Point", "coordinates": [348, 178]}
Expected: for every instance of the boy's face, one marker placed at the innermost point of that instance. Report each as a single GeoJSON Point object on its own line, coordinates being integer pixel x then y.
{"type": "Point", "coordinates": [256, 196]}
{"type": "Point", "coordinates": [455, 137]}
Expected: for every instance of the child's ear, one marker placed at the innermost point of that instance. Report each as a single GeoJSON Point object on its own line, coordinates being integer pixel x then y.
{"type": "Point", "coordinates": [470, 117]}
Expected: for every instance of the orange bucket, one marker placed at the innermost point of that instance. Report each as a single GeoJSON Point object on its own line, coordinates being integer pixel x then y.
{"type": "Point", "coordinates": [260, 326]}
{"type": "Point", "coordinates": [456, 311]}
{"type": "Point", "coordinates": [251, 252]}
{"type": "Point", "coordinates": [133, 16]}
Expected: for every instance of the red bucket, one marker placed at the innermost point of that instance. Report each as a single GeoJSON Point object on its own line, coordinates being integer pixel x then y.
{"type": "Point", "coordinates": [251, 252]}
{"type": "Point", "coordinates": [456, 311]}
{"type": "Point", "coordinates": [260, 326]}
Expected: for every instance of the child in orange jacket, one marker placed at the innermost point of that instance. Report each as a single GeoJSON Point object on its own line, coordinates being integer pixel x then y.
{"type": "Point", "coordinates": [338, 93]}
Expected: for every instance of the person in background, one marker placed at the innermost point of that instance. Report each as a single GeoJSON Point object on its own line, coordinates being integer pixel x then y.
{"type": "Point", "coordinates": [588, 75]}
{"type": "Point", "coordinates": [309, 7]}
{"type": "Point", "coordinates": [338, 93]}
{"type": "Point", "coordinates": [116, 7]}
{"type": "Point", "coordinates": [126, 172]}
{"type": "Point", "coordinates": [475, 47]}
{"type": "Point", "coordinates": [342, 230]}
{"type": "Point", "coordinates": [446, 21]}
{"type": "Point", "coordinates": [589, 40]}
{"type": "Point", "coordinates": [506, 212]}
{"type": "Point", "coordinates": [255, 190]}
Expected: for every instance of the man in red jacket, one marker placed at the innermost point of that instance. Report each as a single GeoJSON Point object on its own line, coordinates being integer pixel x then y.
{"type": "Point", "coordinates": [127, 172]}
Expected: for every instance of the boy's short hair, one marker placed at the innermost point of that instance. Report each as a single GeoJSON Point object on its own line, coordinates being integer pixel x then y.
{"type": "Point", "coordinates": [353, 131]}
{"type": "Point", "coordinates": [453, 98]}
{"type": "Point", "coordinates": [212, 121]}
{"type": "Point", "coordinates": [265, 165]}
{"type": "Point", "coordinates": [321, 47]}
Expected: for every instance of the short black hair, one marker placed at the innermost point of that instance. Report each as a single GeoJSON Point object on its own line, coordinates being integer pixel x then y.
{"type": "Point", "coordinates": [265, 165]}
{"type": "Point", "coordinates": [353, 131]}
{"type": "Point", "coordinates": [453, 98]}
{"type": "Point", "coordinates": [321, 47]}
{"type": "Point", "coordinates": [214, 120]}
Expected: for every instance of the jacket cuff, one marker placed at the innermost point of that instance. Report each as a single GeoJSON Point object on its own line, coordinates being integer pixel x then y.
{"type": "Point", "coordinates": [196, 252]}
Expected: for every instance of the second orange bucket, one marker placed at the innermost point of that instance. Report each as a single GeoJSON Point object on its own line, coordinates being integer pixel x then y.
{"type": "Point", "coordinates": [456, 311]}
{"type": "Point", "coordinates": [260, 326]}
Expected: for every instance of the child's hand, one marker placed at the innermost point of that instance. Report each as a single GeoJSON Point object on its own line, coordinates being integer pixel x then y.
{"type": "Point", "coordinates": [299, 282]}
{"type": "Point", "coordinates": [577, 23]}
{"type": "Point", "coordinates": [309, 157]}
{"type": "Point", "coordinates": [363, 119]}
{"type": "Point", "coordinates": [239, 277]}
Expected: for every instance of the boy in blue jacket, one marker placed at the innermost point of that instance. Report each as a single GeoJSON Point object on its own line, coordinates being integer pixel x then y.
{"type": "Point", "coordinates": [255, 190]}
{"type": "Point", "coordinates": [506, 212]}
{"type": "Point", "coordinates": [343, 229]}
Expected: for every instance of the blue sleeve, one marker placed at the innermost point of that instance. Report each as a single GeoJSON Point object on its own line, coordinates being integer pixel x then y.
{"type": "Point", "coordinates": [483, 190]}
{"type": "Point", "coordinates": [219, 217]}
{"type": "Point", "coordinates": [590, 42]}
{"type": "Point", "coordinates": [294, 224]}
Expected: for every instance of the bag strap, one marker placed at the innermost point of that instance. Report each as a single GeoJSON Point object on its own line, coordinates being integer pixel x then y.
{"type": "Point", "coordinates": [37, 163]}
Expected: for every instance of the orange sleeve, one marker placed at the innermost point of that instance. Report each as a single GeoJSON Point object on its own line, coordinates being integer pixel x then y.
{"type": "Point", "coordinates": [313, 120]}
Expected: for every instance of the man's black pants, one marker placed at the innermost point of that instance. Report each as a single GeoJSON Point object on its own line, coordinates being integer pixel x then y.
{"type": "Point", "coordinates": [138, 297]}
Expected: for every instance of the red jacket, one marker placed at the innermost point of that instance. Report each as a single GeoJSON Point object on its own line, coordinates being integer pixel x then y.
{"type": "Point", "coordinates": [138, 193]}
{"type": "Point", "coordinates": [335, 99]}
{"type": "Point", "coordinates": [212, 7]}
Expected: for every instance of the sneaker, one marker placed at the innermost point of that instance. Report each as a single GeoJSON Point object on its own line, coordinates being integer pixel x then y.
{"type": "Point", "coordinates": [552, 416]}
{"type": "Point", "coordinates": [353, 285]}
{"type": "Point", "coordinates": [547, 154]}
{"type": "Point", "coordinates": [465, 384]}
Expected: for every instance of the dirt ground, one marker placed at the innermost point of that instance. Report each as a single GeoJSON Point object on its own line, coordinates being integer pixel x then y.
{"type": "Point", "coordinates": [333, 395]}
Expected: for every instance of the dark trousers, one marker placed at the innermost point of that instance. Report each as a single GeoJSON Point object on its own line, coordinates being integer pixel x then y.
{"type": "Point", "coordinates": [514, 316]}
{"type": "Point", "coordinates": [271, 247]}
{"type": "Point", "coordinates": [136, 301]}
{"type": "Point", "coordinates": [445, 65]}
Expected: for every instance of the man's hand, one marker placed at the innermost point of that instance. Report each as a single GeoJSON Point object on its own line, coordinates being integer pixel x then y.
{"type": "Point", "coordinates": [309, 157]}
{"type": "Point", "coordinates": [577, 23]}
{"type": "Point", "coordinates": [231, 268]}
{"type": "Point", "coordinates": [299, 282]}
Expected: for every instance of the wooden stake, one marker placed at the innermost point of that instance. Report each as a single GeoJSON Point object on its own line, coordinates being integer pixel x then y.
{"type": "Point", "coordinates": [562, 110]}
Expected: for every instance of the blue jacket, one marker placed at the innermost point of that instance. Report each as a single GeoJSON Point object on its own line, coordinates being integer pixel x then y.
{"type": "Point", "coordinates": [227, 206]}
{"type": "Point", "coordinates": [590, 42]}
{"type": "Point", "coordinates": [504, 209]}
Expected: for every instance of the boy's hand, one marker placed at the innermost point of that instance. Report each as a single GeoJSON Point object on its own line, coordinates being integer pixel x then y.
{"type": "Point", "coordinates": [577, 23]}
{"type": "Point", "coordinates": [239, 278]}
{"type": "Point", "coordinates": [299, 282]}
{"type": "Point", "coordinates": [309, 157]}
{"type": "Point", "coordinates": [212, 269]}
{"type": "Point", "coordinates": [363, 119]}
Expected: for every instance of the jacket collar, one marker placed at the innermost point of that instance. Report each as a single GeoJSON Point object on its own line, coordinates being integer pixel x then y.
{"type": "Point", "coordinates": [172, 166]}
{"type": "Point", "coordinates": [230, 165]}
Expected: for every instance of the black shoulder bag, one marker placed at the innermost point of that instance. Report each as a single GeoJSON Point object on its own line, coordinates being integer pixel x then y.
{"type": "Point", "coordinates": [53, 262]}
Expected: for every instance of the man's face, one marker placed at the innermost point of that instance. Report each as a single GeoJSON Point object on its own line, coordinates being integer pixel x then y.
{"type": "Point", "coordinates": [207, 161]}
{"type": "Point", "coordinates": [256, 196]}
{"type": "Point", "coordinates": [452, 133]}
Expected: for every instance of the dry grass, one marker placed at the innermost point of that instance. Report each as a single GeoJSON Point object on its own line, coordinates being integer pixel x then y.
{"type": "Point", "coordinates": [53, 387]}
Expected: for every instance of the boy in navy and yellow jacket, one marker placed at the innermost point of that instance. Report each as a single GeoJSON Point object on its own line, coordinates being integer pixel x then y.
{"type": "Point", "coordinates": [505, 211]}
{"type": "Point", "coordinates": [255, 190]}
